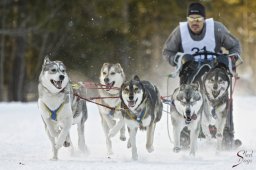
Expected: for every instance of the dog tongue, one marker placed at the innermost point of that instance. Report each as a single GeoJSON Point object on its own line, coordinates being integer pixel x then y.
{"type": "Point", "coordinates": [58, 84]}
{"type": "Point", "coordinates": [131, 103]}
{"type": "Point", "coordinates": [109, 86]}
{"type": "Point", "coordinates": [194, 116]}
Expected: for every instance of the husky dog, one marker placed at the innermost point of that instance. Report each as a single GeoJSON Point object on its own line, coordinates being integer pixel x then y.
{"type": "Point", "coordinates": [59, 108]}
{"type": "Point", "coordinates": [143, 110]}
{"type": "Point", "coordinates": [186, 111]}
{"type": "Point", "coordinates": [112, 77]}
{"type": "Point", "coordinates": [216, 84]}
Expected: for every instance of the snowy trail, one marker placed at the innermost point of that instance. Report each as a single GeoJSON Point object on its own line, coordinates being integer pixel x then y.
{"type": "Point", "coordinates": [24, 144]}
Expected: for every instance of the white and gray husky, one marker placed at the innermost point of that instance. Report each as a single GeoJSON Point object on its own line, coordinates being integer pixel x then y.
{"type": "Point", "coordinates": [142, 109]}
{"type": "Point", "coordinates": [112, 77]}
{"type": "Point", "coordinates": [216, 84]}
{"type": "Point", "coordinates": [59, 108]}
{"type": "Point", "coordinates": [186, 110]}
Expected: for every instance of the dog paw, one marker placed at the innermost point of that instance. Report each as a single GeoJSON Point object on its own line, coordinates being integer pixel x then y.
{"type": "Point", "coordinates": [129, 144]}
{"type": "Point", "coordinates": [84, 149]}
{"type": "Point", "coordinates": [176, 149]}
{"type": "Point", "coordinates": [135, 157]}
{"type": "Point", "coordinates": [122, 138]}
{"type": "Point", "coordinates": [54, 159]}
{"type": "Point", "coordinates": [192, 154]}
{"type": "Point", "coordinates": [219, 135]}
{"type": "Point", "coordinates": [109, 154]}
{"type": "Point", "coordinates": [66, 144]}
{"type": "Point", "coordinates": [150, 149]}
{"type": "Point", "coordinates": [86, 152]}
{"type": "Point", "coordinates": [237, 143]}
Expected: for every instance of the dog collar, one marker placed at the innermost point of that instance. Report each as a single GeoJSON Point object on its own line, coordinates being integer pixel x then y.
{"type": "Point", "coordinates": [53, 113]}
{"type": "Point", "coordinates": [141, 116]}
{"type": "Point", "coordinates": [137, 118]}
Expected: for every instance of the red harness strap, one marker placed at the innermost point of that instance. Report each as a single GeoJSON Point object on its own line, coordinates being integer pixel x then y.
{"type": "Point", "coordinates": [111, 108]}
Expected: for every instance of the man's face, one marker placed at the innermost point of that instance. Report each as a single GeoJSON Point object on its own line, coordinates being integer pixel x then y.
{"type": "Point", "coordinates": [196, 23]}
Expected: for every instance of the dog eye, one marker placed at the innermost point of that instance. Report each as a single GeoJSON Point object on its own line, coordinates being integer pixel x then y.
{"type": "Point", "coordinates": [53, 70]}
{"type": "Point", "coordinates": [221, 81]}
{"type": "Point", "coordinates": [63, 71]}
{"type": "Point", "coordinates": [112, 73]}
{"type": "Point", "coordinates": [104, 73]}
{"type": "Point", "coordinates": [126, 90]}
{"type": "Point", "coordinates": [136, 89]}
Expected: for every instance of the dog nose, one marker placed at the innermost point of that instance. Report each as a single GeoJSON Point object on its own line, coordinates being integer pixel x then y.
{"type": "Point", "coordinates": [130, 97]}
{"type": "Point", "coordinates": [106, 80]}
{"type": "Point", "coordinates": [61, 77]}
{"type": "Point", "coordinates": [215, 86]}
{"type": "Point", "coordinates": [188, 111]}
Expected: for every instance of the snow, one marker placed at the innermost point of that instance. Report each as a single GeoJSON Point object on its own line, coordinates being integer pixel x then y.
{"type": "Point", "coordinates": [24, 144]}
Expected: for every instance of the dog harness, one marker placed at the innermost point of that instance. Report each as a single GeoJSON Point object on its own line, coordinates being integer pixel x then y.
{"type": "Point", "coordinates": [53, 113]}
{"type": "Point", "coordinates": [137, 118]}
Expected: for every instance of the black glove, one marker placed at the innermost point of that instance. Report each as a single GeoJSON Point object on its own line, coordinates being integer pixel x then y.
{"type": "Point", "coordinates": [186, 58]}
{"type": "Point", "coordinates": [171, 60]}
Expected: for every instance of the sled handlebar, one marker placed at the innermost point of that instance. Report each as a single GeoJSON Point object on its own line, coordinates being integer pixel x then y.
{"type": "Point", "coordinates": [229, 60]}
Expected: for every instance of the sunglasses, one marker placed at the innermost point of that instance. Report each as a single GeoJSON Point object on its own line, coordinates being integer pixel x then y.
{"type": "Point", "coordinates": [198, 19]}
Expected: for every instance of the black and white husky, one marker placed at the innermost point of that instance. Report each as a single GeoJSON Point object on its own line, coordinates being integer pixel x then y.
{"type": "Point", "coordinates": [59, 108]}
{"type": "Point", "coordinates": [143, 109]}
{"type": "Point", "coordinates": [186, 111]}
{"type": "Point", "coordinates": [216, 84]}
{"type": "Point", "coordinates": [112, 77]}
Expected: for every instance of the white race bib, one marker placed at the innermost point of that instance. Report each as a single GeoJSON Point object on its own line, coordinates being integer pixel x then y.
{"type": "Point", "coordinates": [191, 46]}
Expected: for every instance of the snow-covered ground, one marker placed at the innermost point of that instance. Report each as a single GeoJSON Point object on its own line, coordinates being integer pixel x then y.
{"type": "Point", "coordinates": [24, 144]}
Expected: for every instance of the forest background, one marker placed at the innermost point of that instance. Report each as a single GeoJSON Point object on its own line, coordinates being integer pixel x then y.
{"type": "Point", "coordinates": [86, 33]}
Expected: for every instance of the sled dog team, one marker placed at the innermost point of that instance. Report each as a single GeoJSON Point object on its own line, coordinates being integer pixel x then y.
{"type": "Point", "coordinates": [138, 106]}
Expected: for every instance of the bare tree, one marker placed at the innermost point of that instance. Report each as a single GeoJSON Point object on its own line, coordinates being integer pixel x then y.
{"type": "Point", "coordinates": [2, 55]}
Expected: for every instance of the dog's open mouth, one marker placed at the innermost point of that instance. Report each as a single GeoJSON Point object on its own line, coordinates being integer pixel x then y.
{"type": "Point", "coordinates": [215, 93]}
{"type": "Point", "coordinates": [57, 84]}
{"type": "Point", "coordinates": [188, 120]}
{"type": "Point", "coordinates": [109, 86]}
{"type": "Point", "coordinates": [131, 103]}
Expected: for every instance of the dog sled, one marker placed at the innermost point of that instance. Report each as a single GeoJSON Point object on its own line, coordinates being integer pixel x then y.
{"type": "Point", "coordinates": [210, 60]}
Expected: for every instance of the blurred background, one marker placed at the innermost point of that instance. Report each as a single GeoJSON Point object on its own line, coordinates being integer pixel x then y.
{"type": "Point", "coordinates": [84, 34]}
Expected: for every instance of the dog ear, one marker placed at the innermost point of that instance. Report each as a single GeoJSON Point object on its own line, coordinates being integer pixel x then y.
{"type": "Point", "coordinates": [120, 69]}
{"type": "Point", "coordinates": [136, 78]}
{"type": "Point", "coordinates": [121, 88]}
{"type": "Point", "coordinates": [46, 59]}
{"type": "Point", "coordinates": [197, 97]}
{"type": "Point", "coordinates": [180, 96]}
{"type": "Point", "coordinates": [118, 65]}
{"type": "Point", "coordinates": [105, 64]}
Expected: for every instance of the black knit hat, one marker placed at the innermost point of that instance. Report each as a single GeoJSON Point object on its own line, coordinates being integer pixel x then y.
{"type": "Point", "coordinates": [196, 8]}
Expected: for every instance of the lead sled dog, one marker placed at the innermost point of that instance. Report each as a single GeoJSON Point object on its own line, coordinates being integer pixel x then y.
{"type": "Point", "coordinates": [59, 107]}
{"type": "Point", "coordinates": [142, 109]}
